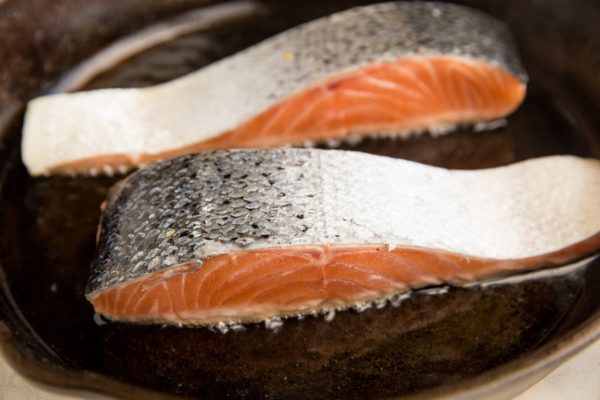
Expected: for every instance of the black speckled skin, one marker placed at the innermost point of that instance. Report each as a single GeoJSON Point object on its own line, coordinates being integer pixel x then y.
{"type": "Point", "coordinates": [387, 32]}
{"type": "Point", "coordinates": [188, 208]}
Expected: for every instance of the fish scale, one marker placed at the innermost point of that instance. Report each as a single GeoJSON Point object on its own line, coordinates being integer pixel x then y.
{"type": "Point", "coordinates": [401, 28]}
{"type": "Point", "coordinates": [267, 219]}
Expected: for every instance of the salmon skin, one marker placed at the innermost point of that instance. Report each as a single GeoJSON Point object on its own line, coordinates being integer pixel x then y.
{"type": "Point", "coordinates": [247, 235]}
{"type": "Point", "coordinates": [392, 69]}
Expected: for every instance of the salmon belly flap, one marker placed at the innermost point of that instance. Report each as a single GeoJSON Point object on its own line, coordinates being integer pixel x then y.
{"type": "Point", "coordinates": [393, 69]}
{"type": "Point", "coordinates": [248, 235]}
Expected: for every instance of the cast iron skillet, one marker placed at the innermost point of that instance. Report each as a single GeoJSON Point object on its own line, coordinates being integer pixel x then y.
{"type": "Point", "coordinates": [450, 343]}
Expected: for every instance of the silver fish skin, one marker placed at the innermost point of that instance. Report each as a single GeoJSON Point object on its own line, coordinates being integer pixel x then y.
{"type": "Point", "coordinates": [188, 209]}
{"type": "Point", "coordinates": [388, 32]}
{"type": "Point", "coordinates": [222, 96]}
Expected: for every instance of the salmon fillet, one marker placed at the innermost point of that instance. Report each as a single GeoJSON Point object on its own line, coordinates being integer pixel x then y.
{"type": "Point", "coordinates": [247, 235]}
{"type": "Point", "coordinates": [391, 69]}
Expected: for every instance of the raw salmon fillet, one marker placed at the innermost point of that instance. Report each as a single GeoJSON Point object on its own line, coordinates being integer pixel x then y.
{"type": "Point", "coordinates": [246, 235]}
{"type": "Point", "coordinates": [391, 69]}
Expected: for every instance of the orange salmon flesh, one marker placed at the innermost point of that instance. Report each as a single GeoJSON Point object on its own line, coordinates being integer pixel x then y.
{"type": "Point", "coordinates": [253, 285]}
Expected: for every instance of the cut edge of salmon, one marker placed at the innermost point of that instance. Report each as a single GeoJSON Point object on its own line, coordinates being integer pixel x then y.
{"type": "Point", "coordinates": [256, 285]}
{"type": "Point", "coordinates": [397, 98]}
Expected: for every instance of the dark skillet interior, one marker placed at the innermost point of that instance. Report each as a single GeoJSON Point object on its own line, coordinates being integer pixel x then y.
{"type": "Point", "coordinates": [48, 225]}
